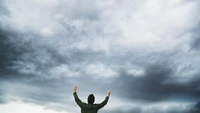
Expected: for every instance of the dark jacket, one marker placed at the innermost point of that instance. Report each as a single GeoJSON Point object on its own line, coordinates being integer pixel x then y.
{"type": "Point", "coordinates": [89, 108]}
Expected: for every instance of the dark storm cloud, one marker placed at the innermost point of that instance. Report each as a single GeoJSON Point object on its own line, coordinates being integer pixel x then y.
{"type": "Point", "coordinates": [197, 105]}
{"type": "Point", "coordinates": [22, 47]}
{"type": "Point", "coordinates": [148, 87]}
{"type": "Point", "coordinates": [151, 86]}
{"type": "Point", "coordinates": [5, 55]}
{"type": "Point", "coordinates": [8, 53]}
{"type": "Point", "coordinates": [156, 85]}
{"type": "Point", "coordinates": [28, 57]}
{"type": "Point", "coordinates": [195, 43]}
{"type": "Point", "coordinates": [13, 48]}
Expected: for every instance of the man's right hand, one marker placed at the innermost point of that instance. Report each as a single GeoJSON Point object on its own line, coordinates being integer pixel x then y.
{"type": "Point", "coordinates": [75, 88]}
{"type": "Point", "coordinates": [109, 92]}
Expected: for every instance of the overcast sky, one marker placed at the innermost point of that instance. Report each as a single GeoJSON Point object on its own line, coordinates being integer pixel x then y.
{"type": "Point", "coordinates": [147, 52]}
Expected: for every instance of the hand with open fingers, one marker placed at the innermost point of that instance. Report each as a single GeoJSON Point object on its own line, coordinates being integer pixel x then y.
{"type": "Point", "coordinates": [109, 92]}
{"type": "Point", "coordinates": [75, 88]}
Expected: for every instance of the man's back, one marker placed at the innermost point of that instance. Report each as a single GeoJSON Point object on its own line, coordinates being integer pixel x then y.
{"type": "Point", "coordinates": [89, 108]}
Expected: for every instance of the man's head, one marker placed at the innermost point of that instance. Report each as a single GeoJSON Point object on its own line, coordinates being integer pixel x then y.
{"type": "Point", "coordinates": [91, 99]}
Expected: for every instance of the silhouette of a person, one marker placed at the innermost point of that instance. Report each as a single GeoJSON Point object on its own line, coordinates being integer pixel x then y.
{"type": "Point", "coordinates": [90, 107]}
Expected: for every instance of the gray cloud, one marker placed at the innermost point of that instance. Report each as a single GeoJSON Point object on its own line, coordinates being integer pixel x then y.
{"type": "Point", "coordinates": [197, 105]}
{"type": "Point", "coordinates": [195, 43]}
{"type": "Point", "coordinates": [2, 100]}
{"type": "Point", "coordinates": [158, 83]}
{"type": "Point", "coordinates": [4, 10]}
{"type": "Point", "coordinates": [91, 47]}
{"type": "Point", "coordinates": [8, 53]}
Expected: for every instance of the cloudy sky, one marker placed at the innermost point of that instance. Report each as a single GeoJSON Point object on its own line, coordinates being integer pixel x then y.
{"type": "Point", "coordinates": [147, 52]}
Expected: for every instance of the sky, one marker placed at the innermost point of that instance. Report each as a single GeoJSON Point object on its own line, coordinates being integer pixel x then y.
{"type": "Point", "coordinates": [147, 52]}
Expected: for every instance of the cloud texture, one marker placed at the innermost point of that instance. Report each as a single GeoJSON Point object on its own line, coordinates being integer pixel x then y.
{"type": "Point", "coordinates": [145, 52]}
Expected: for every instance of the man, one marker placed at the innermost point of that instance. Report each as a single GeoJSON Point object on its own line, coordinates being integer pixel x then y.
{"type": "Point", "coordinates": [90, 107]}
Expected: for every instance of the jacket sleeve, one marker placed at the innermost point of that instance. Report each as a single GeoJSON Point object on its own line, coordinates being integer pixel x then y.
{"type": "Point", "coordinates": [78, 101]}
{"type": "Point", "coordinates": [102, 104]}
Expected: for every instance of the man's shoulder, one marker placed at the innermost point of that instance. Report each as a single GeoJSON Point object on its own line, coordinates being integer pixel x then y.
{"type": "Point", "coordinates": [84, 104]}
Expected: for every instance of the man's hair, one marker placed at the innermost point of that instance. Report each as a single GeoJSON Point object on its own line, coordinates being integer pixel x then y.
{"type": "Point", "coordinates": [91, 99]}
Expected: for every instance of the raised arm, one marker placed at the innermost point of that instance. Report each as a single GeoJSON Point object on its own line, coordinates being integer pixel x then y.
{"type": "Point", "coordinates": [78, 101]}
{"type": "Point", "coordinates": [102, 104]}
